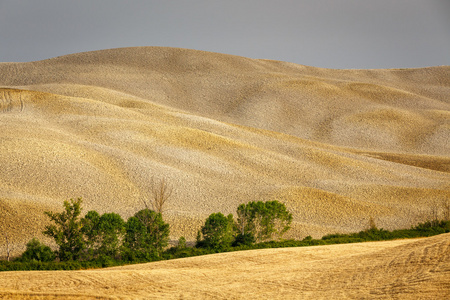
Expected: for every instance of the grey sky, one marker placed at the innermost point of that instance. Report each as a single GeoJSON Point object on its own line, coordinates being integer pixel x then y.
{"type": "Point", "coordinates": [321, 33]}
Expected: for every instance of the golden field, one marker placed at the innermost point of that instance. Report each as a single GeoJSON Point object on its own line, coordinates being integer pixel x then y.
{"type": "Point", "coordinates": [402, 269]}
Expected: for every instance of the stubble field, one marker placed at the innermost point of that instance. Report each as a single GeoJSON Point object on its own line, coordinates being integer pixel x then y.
{"type": "Point", "coordinates": [403, 269]}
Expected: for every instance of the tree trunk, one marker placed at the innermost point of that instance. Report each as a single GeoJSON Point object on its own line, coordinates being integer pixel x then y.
{"type": "Point", "coordinates": [8, 250]}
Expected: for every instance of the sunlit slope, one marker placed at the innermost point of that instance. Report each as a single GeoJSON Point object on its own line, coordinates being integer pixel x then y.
{"type": "Point", "coordinates": [337, 146]}
{"type": "Point", "coordinates": [383, 109]}
{"type": "Point", "coordinates": [403, 269]}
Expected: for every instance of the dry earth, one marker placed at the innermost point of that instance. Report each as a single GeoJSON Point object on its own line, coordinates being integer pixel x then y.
{"type": "Point", "coordinates": [402, 269]}
{"type": "Point", "coordinates": [336, 146]}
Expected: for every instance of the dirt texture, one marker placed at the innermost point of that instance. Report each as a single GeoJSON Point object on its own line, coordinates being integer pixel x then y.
{"type": "Point", "coordinates": [336, 146]}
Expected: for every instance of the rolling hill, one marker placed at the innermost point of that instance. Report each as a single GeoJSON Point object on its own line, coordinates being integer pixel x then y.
{"type": "Point", "coordinates": [336, 146]}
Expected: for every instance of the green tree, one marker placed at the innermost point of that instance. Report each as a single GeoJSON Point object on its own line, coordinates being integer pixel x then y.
{"type": "Point", "coordinates": [111, 229]}
{"type": "Point", "coordinates": [37, 251]}
{"type": "Point", "coordinates": [66, 230]}
{"type": "Point", "coordinates": [90, 229]}
{"type": "Point", "coordinates": [277, 220]}
{"type": "Point", "coordinates": [146, 235]}
{"type": "Point", "coordinates": [261, 220]}
{"type": "Point", "coordinates": [103, 234]}
{"type": "Point", "coordinates": [217, 232]}
{"type": "Point", "coordinates": [245, 226]}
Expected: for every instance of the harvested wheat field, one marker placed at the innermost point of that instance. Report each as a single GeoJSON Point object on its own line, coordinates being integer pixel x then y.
{"type": "Point", "coordinates": [336, 146]}
{"type": "Point", "coordinates": [402, 269]}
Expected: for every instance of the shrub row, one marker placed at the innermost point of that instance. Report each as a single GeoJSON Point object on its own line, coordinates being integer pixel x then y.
{"type": "Point", "coordinates": [422, 230]}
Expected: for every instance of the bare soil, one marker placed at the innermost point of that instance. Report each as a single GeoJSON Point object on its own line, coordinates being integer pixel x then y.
{"type": "Point", "coordinates": [336, 146]}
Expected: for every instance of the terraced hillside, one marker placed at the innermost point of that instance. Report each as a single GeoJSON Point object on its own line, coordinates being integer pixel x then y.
{"type": "Point", "coordinates": [336, 146]}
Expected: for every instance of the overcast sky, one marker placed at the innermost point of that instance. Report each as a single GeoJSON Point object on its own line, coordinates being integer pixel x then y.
{"type": "Point", "coordinates": [323, 33]}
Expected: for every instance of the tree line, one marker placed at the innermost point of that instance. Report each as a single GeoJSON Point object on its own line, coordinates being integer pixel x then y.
{"type": "Point", "coordinates": [142, 237]}
{"type": "Point", "coordinates": [256, 222]}
{"type": "Point", "coordinates": [145, 235]}
{"type": "Point", "coordinates": [96, 240]}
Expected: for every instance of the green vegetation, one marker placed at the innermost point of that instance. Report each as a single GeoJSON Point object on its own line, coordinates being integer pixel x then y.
{"type": "Point", "coordinates": [261, 220]}
{"type": "Point", "coordinates": [146, 236]}
{"type": "Point", "coordinates": [96, 241]}
{"type": "Point", "coordinates": [217, 232]}
{"type": "Point", "coordinates": [67, 230]}
{"type": "Point", "coordinates": [36, 251]}
{"type": "Point", "coordinates": [256, 221]}
{"type": "Point", "coordinates": [426, 229]}
{"type": "Point", "coordinates": [102, 234]}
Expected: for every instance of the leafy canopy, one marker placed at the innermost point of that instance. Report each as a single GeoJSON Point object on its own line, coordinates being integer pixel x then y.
{"type": "Point", "coordinates": [217, 232]}
{"type": "Point", "coordinates": [102, 234]}
{"type": "Point", "coordinates": [146, 235]}
{"type": "Point", "coordinates": [262, 220]}
{"type": "Point", "coordinates": [66, 230]}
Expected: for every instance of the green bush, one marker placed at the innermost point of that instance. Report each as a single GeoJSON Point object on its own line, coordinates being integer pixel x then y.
{"type": "Point", "coordinates": [181, 243]}
{"type": "Point", "coordinates": [146, 236]}
{"type": "Point", "coordinates": [217, 232]}
{"type": "Point", "coordinates": [375, 234]}
{"type": "Point", "coordinates": [244, 239]}
{"type": "Point", "coordinates": [35, 251]}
